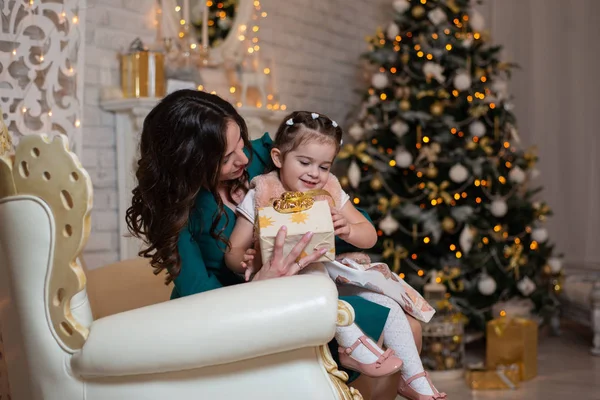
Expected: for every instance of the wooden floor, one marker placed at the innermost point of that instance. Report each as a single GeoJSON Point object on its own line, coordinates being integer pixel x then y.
{"type": "Point", "coordinates": [566, 371]}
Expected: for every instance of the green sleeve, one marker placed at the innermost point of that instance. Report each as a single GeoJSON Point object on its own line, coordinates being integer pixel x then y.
{"type": "Point", "coordinates": [261, 156]}
{"type": "Point", "coordinates": [194, 277]}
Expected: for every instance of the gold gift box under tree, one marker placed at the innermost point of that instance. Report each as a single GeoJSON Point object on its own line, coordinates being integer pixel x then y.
{"type": "Point", "coordinates": [300, 213]}
{"type": "Point", "coordinates": [502, 377]}
{"type": "Point", "coordinates": [513, 341]}
{"type": "Point", "coordinates": [142, 72]}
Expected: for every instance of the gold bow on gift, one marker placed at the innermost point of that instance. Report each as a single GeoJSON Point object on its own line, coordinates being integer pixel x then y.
{"type": "Point", "coordinates": [500, 324]}
{"type": "Point", "coordinates": [530, 157]}
{"type": "Point", "coordinates": [291, 202]}
{"type": "Point", "coordinates": [517, 259]}
{"type": "Point", "coordinates": [429, 152]}
{"type": "Point", "coordinates": [385, 204]}
{"type": "Point", "coordinates": [436, 191]}
{"type": "Point", "coordinates": [397, 252]}
{"type": "Point", "coordinates": [358, 151]}
{"type": "Point", "coordinates": [483, 143]}
{"type": "Point", "coordinates": [448, 275]}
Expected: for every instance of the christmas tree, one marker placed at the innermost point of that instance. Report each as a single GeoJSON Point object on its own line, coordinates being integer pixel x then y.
{"type": "Point", "coordinates": [437, 162]}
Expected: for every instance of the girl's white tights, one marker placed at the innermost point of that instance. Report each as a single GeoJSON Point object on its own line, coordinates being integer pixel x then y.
{"type": "Point", "coordinates": [398, 336]}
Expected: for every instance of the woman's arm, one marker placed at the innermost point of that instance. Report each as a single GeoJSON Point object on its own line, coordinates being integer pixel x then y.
{"type": "Point", "coordinates": [352, 226]}
{"type": "Point", "coordinates": [193, 277]}
{"type": "Point", "coordinates": [241, 240]}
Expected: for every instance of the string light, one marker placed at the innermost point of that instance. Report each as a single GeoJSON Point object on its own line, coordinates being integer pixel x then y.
{"type": "Point", "coordinates": [426, 239]}
{"type": "Point", "coordinates": [452, 247]}
{"type": "Point", "coordinates": [77, 123]}
{"type": "Point", "coordinates": [24, 109]}
{"type": "Point", "coordinates": [421, 272]}
{"type": "Point", "coordinates": [50, 113]}
{"type": "Point", "coordinates": [232, 89]}
{"type": "Point", "coordinates": [75, 19]}
{"type": "Point", "coordinates": [177, 9]}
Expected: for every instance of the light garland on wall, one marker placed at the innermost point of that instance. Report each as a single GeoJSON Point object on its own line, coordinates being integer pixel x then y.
{"type": "Point", "coordinates": [43, 90]}
{"type": "Point", "coordinates": [247, 34]}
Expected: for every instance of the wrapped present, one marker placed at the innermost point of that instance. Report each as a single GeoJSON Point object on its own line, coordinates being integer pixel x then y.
{"type": "Point", "coordinates": [300, 213]}
{"type": "Point", "coordinates": [513, 341]}
{"type": "Point", "coordinates": [502, 377]}
{"type": "Point", "coordinates": [142, 72]}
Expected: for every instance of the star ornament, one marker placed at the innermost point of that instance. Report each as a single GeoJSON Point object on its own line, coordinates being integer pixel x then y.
{"type": "Point", "coordinates": [299, 218]}
{"type": "Point", "coordinates": [265, 222]}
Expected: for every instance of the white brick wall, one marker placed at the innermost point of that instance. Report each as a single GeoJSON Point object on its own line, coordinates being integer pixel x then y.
{"type": "Point", "coordinates": [111, 25]}
{"type": "Point", "coordinates": [314, 46]}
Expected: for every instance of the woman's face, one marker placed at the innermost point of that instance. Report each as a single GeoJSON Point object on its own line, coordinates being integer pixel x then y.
{"type": "Point", "coordinates": [235, 161]}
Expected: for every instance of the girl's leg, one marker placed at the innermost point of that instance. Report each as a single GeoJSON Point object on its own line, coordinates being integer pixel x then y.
{"type": "Point", "coordinates": [346, 336]}
{"type": "Point", "coordinates": [417, 331]}
{"type": "Point", "coordinates": [399, 337]}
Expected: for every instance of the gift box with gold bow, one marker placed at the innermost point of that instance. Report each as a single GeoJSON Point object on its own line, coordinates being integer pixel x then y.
{"type": "Point", "coordinates": [300, 213]}
{"type": "Point", "coordinates": [513, 341]}
{"type": "Point", "coordinates": [142, 72]}
{"type": "Point", "coordinates": [502, 377]}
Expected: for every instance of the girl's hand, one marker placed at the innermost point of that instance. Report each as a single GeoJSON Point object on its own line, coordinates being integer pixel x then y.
{"type": "Point", "coordinates": [340, 224]}
{"type": "Point", "coordinates": [248, 264]}
{"type": "Point", "coordinates": [279, 265]}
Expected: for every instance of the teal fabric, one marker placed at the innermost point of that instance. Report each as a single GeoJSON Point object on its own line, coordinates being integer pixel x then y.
{"type": "Point", "coordinates": [202, 257]}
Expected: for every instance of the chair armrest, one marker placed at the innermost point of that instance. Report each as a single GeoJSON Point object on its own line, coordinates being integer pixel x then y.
{"type": "Point", "coordinates": [216, 327]}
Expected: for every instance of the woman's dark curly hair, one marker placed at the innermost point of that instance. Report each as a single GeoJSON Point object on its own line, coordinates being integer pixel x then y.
{"type": "Point", "coordinates": [182, 145]}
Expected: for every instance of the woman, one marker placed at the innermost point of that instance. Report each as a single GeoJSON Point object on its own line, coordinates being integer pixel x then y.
{"type": "Point", "coordinates": [194, 167]}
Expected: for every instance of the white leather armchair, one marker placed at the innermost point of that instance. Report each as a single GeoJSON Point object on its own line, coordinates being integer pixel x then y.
{"type": "Point", "coordinates": [263, 340]}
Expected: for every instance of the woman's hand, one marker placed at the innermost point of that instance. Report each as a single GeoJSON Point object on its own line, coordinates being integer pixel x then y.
{"type": "Point", "coordinates": [248, 264]}
{"type": "Point", "coordinates": [340, 224]}
{"type": "Point", "coordinates": [279, 265]}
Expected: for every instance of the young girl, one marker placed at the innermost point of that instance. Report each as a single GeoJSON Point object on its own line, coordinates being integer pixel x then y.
{"type": "Point", "coordinates": [304, 149]}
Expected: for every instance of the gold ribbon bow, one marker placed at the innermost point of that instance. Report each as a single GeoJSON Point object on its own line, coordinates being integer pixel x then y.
{"type": "Point", "coordinates": [436, 191]}
{"type": "Point", "coordinates": [397, 252]}
{"type": "Point", "coordinates": [453, 6]}
{"type": "Point", "coordinates": [429, 152]}
{"type": "Point", "coordinates": [448, 275]}
{"type": "Point", "coordinates": [531, 157]}
{"type": "Point", "coordinates": [358, 151]}
{"type": "Point", "coordinates": [501, 324]}
{"type": "Point", "coordinates": [483, 143]}
{"type": "Point", "coordinates": [385, 204]}
{"type": "Point", "coordinates": [291, 202]}
{"type": "Point", "coordinates": [517, 260]}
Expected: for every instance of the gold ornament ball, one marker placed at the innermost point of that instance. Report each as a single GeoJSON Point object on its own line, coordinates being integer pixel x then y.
{"type": "Point", "coordinates": [448, 224]}
{"type": "Point", "coordinates": [376, 184]}
{"type": "Point", "coordinates": [418, 11]}
{"type": "Point", "coordinates": [437, 347]}
{"type": "Point", "coordinates": [437, 109]}
{"type": "Point", "coordinates": [405, 105]}
{"type": "Point", "coordinates": [547, 270]}
{"type": "Point", "coordinates": [432, 172]}
{"type": "Point", "coordinates": [450, 362]}
{"type": "Point", "coordinates": [344, 181]}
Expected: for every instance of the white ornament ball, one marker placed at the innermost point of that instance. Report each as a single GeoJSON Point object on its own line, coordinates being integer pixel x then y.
{"type": "Point", "coordinates": [555, 264]}
{"type": "Point", "coordinates": [373, 100]}
{"type": "Point", "coordinates": [389, 225]}
{"type": "Point", "coordinates": [499, 208]}
{"type": "Point", "coordinates": [437, 16]}
{"type": "Point", "coordinates": [486, 285]}
{"type": "Point", "coordinates": [401, 5]}
{"type": "Point", "coordinates": [477, 129]}
{"type": "Point", "coordinates": [500, 89]}
{"type": "Point", "coordinates": [403, 158]}
{"type": "Point", "coordinates": [380, 80]}
{"type": "Point", "coordinates": [356, 132]}
{"type": "Point", "coordinates": [540, 235]}
{"type": "Point", "coordinates": [476, 21]}
{"type": "Point", "coordinates": [534, 173]}
{"type": "Point", "coordinates": [354, 174]}
{"type": "Point", "coordinates": [526, 286]}
{"type": "Point", "coordinates": [458, 173]}
{"type": "Point", "coordinates": [517, 175]}
{"type": "Point", "coordinates": [462, 81]}
{"type": "Point", "coordinates": [399, 128]}
{"type": "Point", "coordinates": [392, 31]}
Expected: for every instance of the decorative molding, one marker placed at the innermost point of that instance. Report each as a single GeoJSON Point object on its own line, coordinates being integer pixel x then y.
{"type": "Point", "coordinates": [41, 68]}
